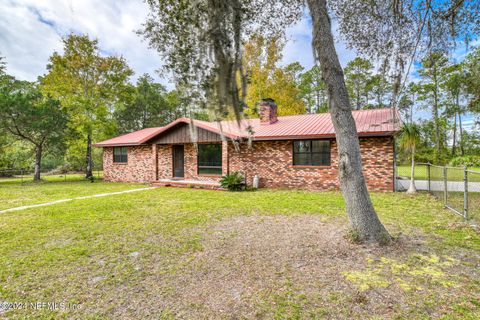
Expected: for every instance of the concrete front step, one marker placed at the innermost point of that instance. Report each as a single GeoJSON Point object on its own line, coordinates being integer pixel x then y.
{"type": "Point", "coordinates": [198, 184]}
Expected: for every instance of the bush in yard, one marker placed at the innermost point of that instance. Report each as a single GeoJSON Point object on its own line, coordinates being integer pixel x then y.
{"type": "Point", "coordinates": [233, 181]}
{"type": "Point", "coordinates": [469, 161]}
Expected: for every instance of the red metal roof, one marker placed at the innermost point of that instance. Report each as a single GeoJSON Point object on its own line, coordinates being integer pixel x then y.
{"type": "Point", "coordinates": [132, 138]}
{"type": "Point", "coordinates": [375, 122]}
{"type": "Point", "coordinates": [368, 122]}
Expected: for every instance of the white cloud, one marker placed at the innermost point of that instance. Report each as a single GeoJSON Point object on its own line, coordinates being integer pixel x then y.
{"type": "Point", "coordinates": [25, 41]}
{"type": "Point", "coordinates": [31, 30]}
{"type": "Point", "coordinates": [462, 50]}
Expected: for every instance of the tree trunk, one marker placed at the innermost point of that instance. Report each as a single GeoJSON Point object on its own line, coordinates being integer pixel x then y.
{"type": "Point", "coordinates": [412, 188]}
{"type": "Point", "coordinates": [397, 82]}
{"type": "Point", "coordinates": [438, 140]}
{"type": "Point", "coordinates": [454, 143]}
{"type": "Point", "coordinates": [38, 163]}
{"type": "Point", "coordinates": [367, 94]}
{"type": "Point", "coordinates": [437, 128]}
{"type": "Point", "coordinates": [411, 111]}
{"type": "Point", "coordinates": [363, 218]}
{"type": "Point", "coordinates": [89, 169]}
{"type": "Point", "coordinates": [462, 150]}
{"type": "Point", "coordinates": [358, 100]}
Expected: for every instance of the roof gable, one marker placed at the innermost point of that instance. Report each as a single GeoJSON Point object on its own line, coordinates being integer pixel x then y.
{"type": "Point", "coordinates": [182, 133]}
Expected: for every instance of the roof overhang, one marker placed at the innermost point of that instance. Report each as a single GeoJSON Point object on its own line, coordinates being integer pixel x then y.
{"type": "Point", "coordinates": [109, 145]}
{"type": "Point", "coordinates": [322, 136]}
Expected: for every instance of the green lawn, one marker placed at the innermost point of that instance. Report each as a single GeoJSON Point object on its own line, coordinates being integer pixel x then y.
{"type": "Point", "coordinates": [183, 253]}
{"type": "Point", "coordinates": [14, 194]}
{"type": "Point", "coordinates": [436, 173]}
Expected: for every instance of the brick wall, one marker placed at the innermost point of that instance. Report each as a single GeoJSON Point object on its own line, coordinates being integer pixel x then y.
{"type": "Point", "coordinates": [377, 161]}
{"type": "Point", "coordinates": [271, 160]}
{"type": "Point", "coordinates": [139, 167]}
{"type": "Point", "coordinates": [165, 163]}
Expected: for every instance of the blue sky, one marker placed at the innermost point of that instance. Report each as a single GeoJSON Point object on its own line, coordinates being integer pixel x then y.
{"type": "Point", "coordinates": [30, 30]}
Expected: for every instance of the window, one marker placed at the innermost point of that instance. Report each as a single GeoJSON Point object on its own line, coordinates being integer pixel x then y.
{"type": "Point", "coordinates": [210, 159]}
{"type": "Point", "coordinates": [311, 153]}
{"type": "Point", "coordinates": [120, 154]}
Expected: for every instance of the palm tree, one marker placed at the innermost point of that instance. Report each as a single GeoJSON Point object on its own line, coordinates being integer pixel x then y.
{"type": "Point", "coordinates": [408, 139]}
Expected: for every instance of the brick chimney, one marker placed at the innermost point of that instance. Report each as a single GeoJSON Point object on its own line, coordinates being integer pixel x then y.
{"type": "Point", "coordinates": [268, 111]}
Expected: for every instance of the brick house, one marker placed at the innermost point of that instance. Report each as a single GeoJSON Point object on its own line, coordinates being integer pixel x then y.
{"type": "Point", "coordinates": [284, 152]}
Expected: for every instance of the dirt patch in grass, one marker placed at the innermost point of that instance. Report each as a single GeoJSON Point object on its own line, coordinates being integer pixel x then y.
{"type": "Point", "coordinates": [303, 267]}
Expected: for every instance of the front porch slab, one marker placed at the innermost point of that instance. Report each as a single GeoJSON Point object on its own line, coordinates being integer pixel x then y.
{"type": "Point", "coordinates": [185, 183]}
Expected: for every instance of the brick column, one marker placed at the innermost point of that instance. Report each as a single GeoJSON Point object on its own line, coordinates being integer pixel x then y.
{"type": "Point", "coordinates": [225, 164]}
{"type": "Point", "coordinates": [155, 161]}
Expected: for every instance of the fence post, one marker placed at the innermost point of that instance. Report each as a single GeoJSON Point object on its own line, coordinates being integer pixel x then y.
{"type": "Point", "coordinates": [445, 185]}
{"type": "Point", "coordinates": [465, 194]}
{"type": "Point", "coordinates": [428, 172]}
{"type": "Point", "coordinates": [21, 175]}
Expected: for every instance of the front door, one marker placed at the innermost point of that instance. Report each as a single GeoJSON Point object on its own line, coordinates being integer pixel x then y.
{"type": "Point", "coordinates": [178, 161]}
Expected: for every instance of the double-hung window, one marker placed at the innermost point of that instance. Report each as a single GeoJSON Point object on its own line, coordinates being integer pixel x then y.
{"type": "Point", "coordinates": [311, 153]}
{"type": "Point", "coordinates": [210, 159]}
{"type": "Point", "coordinates": [120, 154]}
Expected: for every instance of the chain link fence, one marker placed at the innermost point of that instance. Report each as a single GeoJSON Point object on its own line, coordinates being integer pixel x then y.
{"type": "Point", "coordinates": [457, 187]}
{"type": "Point", "coordinates": [473, 192]}
{"type": "Point", "coordinates": [25, 176]}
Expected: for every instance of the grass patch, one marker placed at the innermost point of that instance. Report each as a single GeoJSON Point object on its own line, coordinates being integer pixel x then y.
{"type": "Point", "coordinates": [14, 194]}
{"type": "Point", "coordinates": [421, 173]}
{"type": "Point", "coordinates": [187, 253]}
